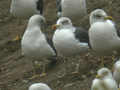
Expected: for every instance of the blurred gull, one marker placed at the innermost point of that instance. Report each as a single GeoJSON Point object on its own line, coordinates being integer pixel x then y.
{"type": "Point", "coordinates": [24, 9]}
{"type": "Point", "coordinates": [73, 9]}
{"type": "Point", "coordinates": [39, 86]}
{"type": "Point", "coordinates": [104, 80]}
{"type": "Point", "coordinates": [116, 72]}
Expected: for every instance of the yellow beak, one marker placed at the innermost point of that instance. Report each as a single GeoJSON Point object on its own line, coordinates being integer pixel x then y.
{"type": "Point", "coordinates": [108, 18]}
{"type": "Point", "coordinates": [98, 76]}
{"type": "Point", "coordinates": [55, 26]}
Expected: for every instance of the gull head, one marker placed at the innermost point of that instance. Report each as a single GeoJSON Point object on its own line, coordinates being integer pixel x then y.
{"type": "Point", "coordinates": [104, 73]}
{"type": "Point", "coordinates": [39, 86]}
{"type": "Point", "coordinates": [62, 22]}
{"type": "Point", "coordinates": [36, 20]}
{"type": "Point", "coordinates": [97, 15]}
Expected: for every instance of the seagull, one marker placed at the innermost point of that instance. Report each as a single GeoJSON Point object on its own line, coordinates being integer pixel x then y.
{"type": "Point", "coordinates": [116, 72]}
{"type": "Point", "coordinates": [103, 35]}
{"type": "Point", "coordinates": [24, 9]}
{"type": "Point", "coordinates": [35, 44]}
{"type": "Point", "coordinates": [39, 86]}
{"type": "Point", "coordinates": [68, 39]}
{"type": "Point", "coordinates": [104, 80]}
{"type": "Point", "coordinates": [72, 9]}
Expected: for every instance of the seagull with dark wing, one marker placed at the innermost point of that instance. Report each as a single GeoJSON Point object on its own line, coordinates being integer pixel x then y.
{"type": "Point", "coordinates": [68, 39]}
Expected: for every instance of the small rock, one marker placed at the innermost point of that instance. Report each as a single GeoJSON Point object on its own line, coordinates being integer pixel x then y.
{"type": "Point", "coordinates": [25, 81]}
{"type": "Point", "coordinates": [92, 72]}
{"type": "Point", "coordinates": [68, 85]}
{"type": "Point", "coordinates": [84, 76]}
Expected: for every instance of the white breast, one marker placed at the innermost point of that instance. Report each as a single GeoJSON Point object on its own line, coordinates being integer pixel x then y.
{"type": "Point", "coordinates": [66, 44]}
{"type": "Point", "coordinates": [103, 37]}
{"type": "Point", "coordinates": [35, 45]}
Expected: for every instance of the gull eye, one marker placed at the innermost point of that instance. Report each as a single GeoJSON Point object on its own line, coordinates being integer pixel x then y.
{"type": "Point", "coordinates": [105, 73]}
{"type": "Point", "coordinates": [98, 16]}
{"type": "Point", "coordinates": [65, 22]}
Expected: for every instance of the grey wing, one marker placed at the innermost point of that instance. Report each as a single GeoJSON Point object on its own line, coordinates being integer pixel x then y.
{"type": "Point", "coordinates": [50, 42]}
{"type": "Point", "coordinates": [58, 5]}
{"type": "Point", "coordinates": [82, 35]}
{"type": "Point", "coordinates": [40, 6]}
{"type": "Point", "coordinates": [117, 29]}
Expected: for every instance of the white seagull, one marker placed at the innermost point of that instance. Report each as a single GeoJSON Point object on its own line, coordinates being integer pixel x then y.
{"type": "Point", "coordinates": [36, 44]}
{"type": "Point", "coordinates": [72, 9]}
{"type": "Point", "coordinates": [39, 86]}
{"type": "Point", "coordinates": [103, 35]}
{"type": "Point", "coordinates": [104, 80]}
{"type": "Point", "coordinates": [116, 72]}
{"type": "Point", "coordinates": [26, 8]}
{"type": "Point", "coordinates": [69, 40]}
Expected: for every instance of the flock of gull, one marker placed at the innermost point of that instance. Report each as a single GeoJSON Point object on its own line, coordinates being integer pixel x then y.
{"type": "Point", "coordinates": [102, 38]}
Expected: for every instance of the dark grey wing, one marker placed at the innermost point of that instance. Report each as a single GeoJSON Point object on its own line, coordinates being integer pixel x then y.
{"type": "Point", "coordinates": [50, 42]}
{"type": "Point", "coordinates": [40, 6]}
{"type": "Point", "coordinates": [82, 35]}
{"type": "Point", "coordinates": [117, 30]}
{"type": "Point", "coordinates": [58, 5]}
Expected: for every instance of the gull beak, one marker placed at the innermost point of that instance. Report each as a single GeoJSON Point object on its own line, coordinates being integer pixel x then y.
{"type": "Point", "coordinates": [108, 18]}
{"type": "Point", "coordinates": [98, 76]}
{"type": "Point", "coordinates": [55, 26]}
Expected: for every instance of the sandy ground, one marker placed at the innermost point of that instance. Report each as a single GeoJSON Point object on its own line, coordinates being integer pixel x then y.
{"type": "Point", "coordinates": [16, 71]}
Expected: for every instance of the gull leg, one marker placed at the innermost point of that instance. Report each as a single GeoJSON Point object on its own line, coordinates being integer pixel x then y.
{"type": "Point", "coordinates": [113, 59]}
{"type": "Point", "coordinates": [34, 72]}
{"type": "Point", "coordinates": [102, 61]}
{"type": "Point", "coordinates": [35, 75]}
{"type": "Point", "coordinates": [118, 86]}
{"type": "Point", "coordinates": [76, 69]}
{"type": "Point", "coordinates": [43, 71]}
{"type": "Point", "coordinates": [17, 38]}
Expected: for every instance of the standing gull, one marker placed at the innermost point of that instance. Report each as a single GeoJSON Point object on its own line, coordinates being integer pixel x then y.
{"type": "Point", "coordinates": [104, 80]}
{"type": "Point", "coordinates": [104, 37]}
{"type": "Point", "coordinates": [24, 9]}
{"type": "Point", "coordinates": [72, 9]}
{"type": "Point", "coordinates": [39, 86]}
{"type": "Point", "coordinates": [35, 44]}
{"type": "Point", "coordinates": [69, 40]}
{"type": "Point", "coordinates": [116, 72]}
